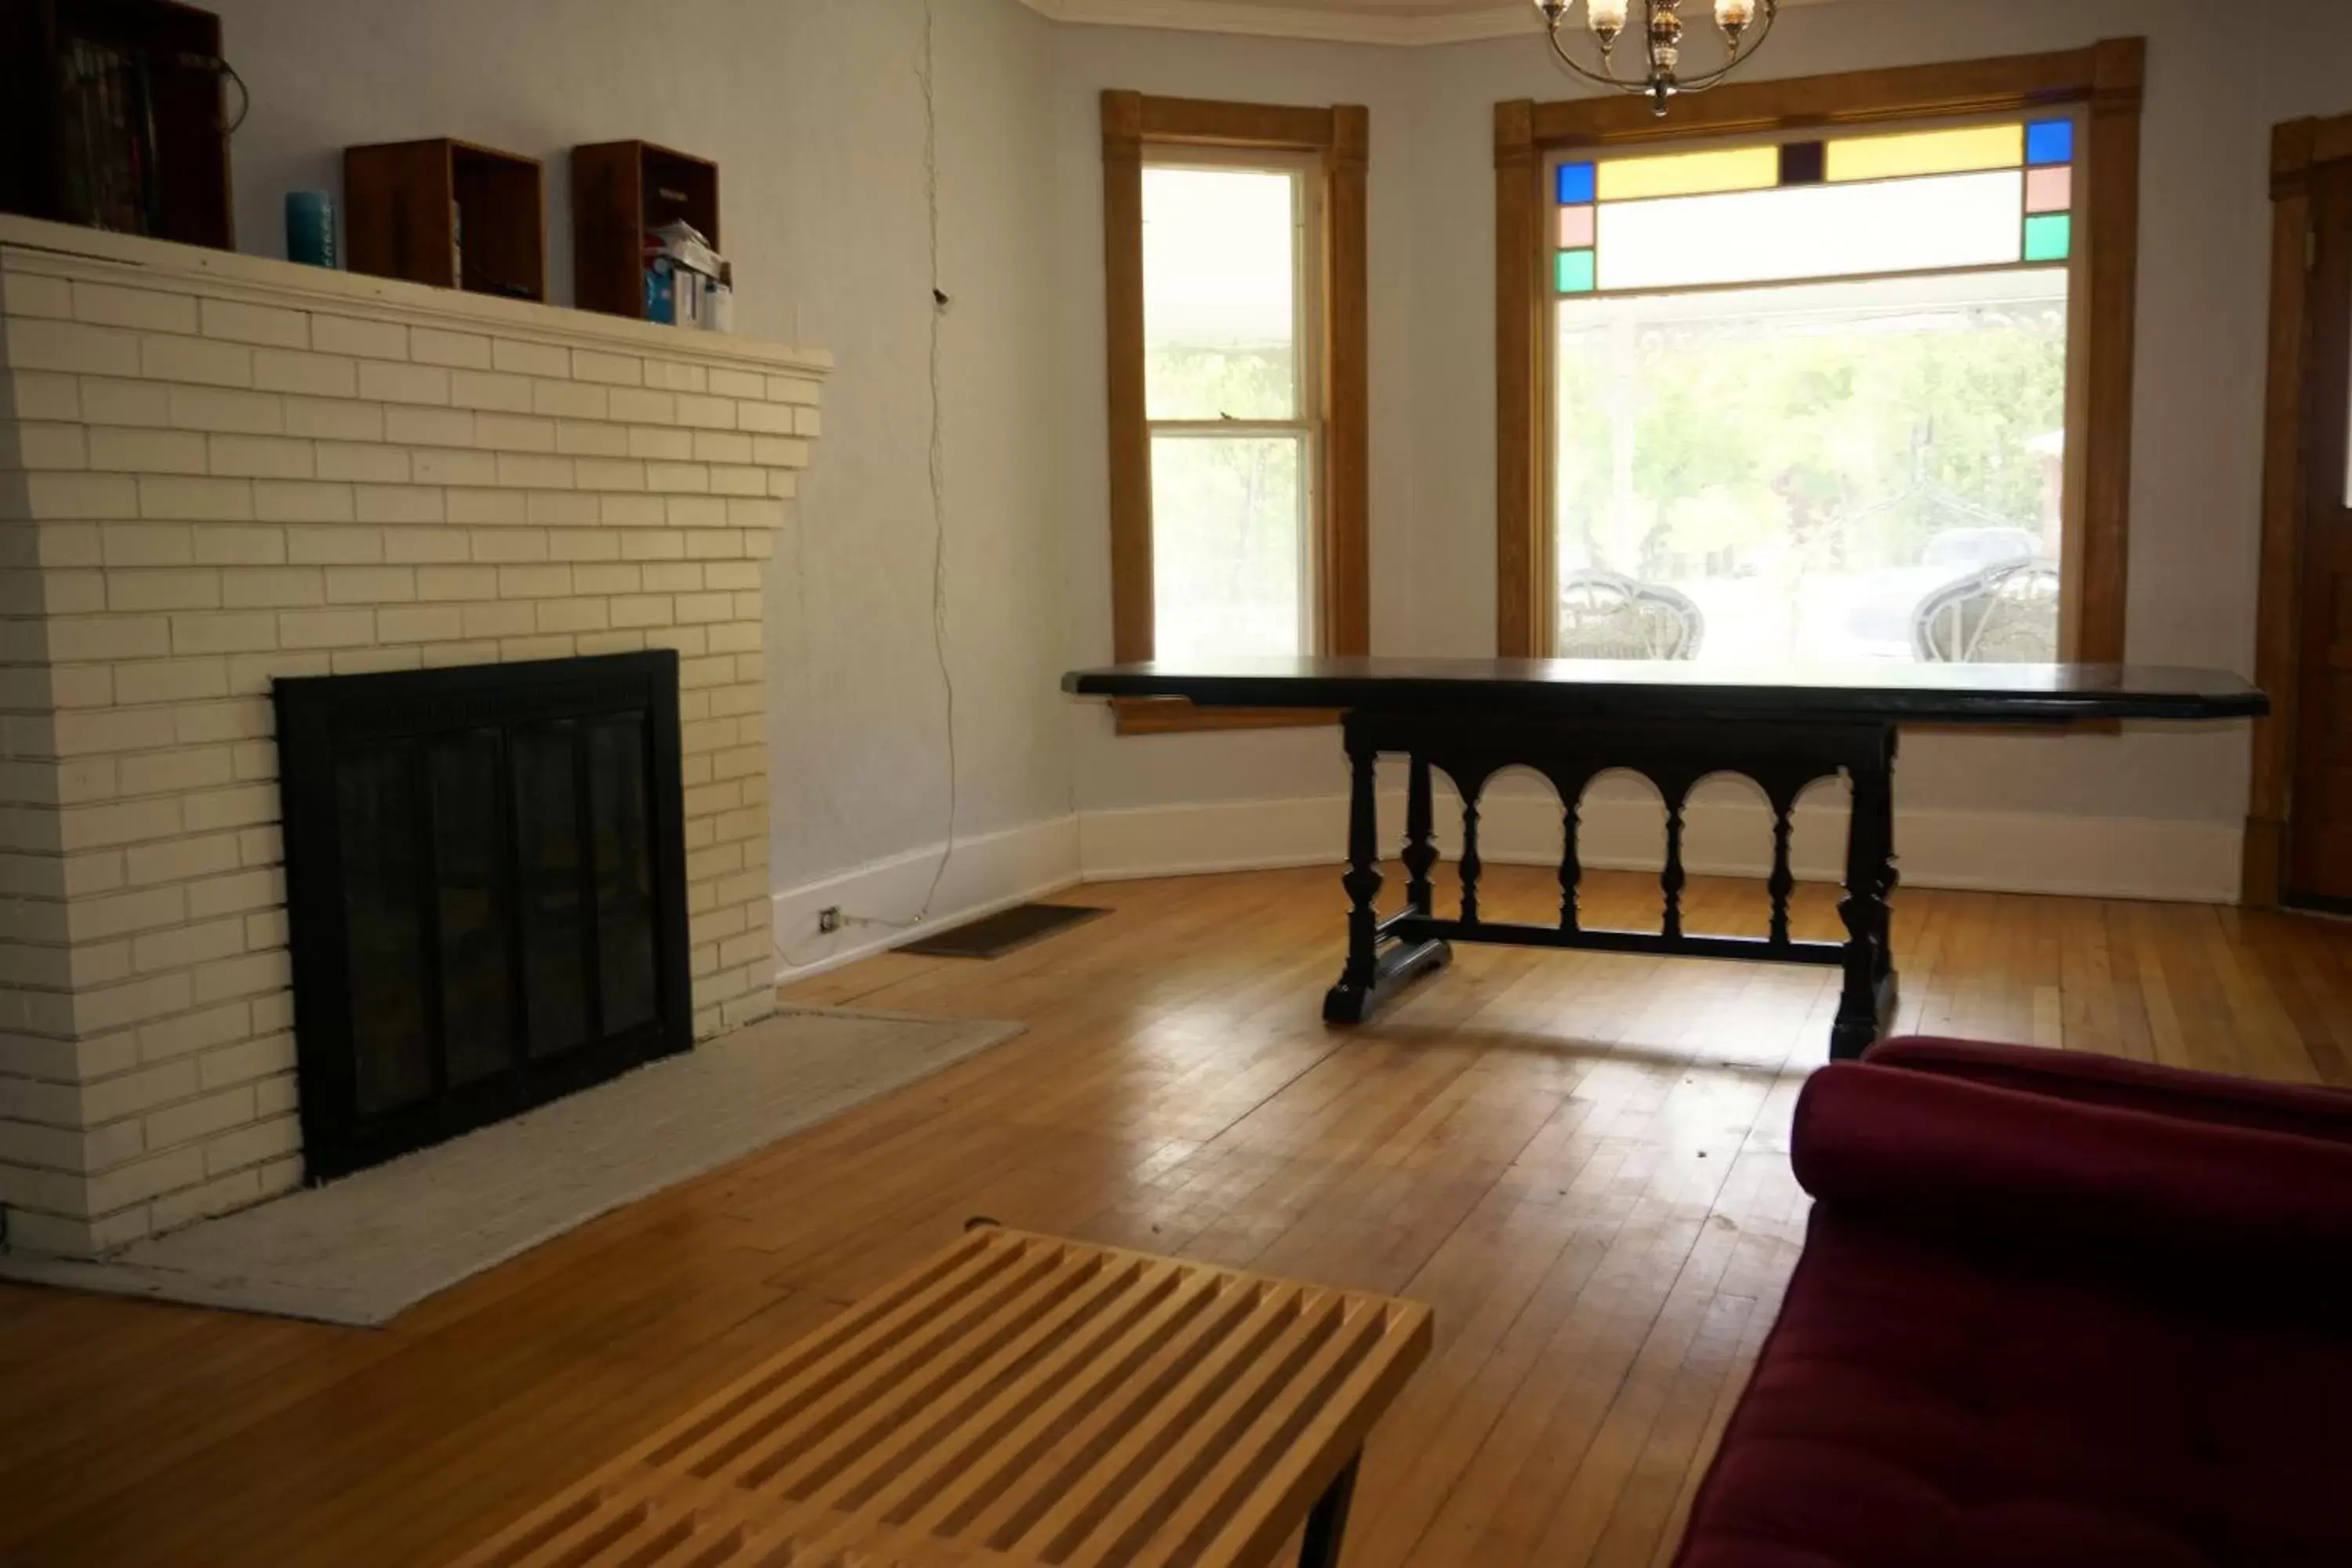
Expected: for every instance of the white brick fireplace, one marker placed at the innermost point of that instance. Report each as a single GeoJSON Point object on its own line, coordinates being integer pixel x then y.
{"type": "Point", "coordinates": [216, 471]}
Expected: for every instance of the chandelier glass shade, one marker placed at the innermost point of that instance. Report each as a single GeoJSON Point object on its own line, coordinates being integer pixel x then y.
{"type": "Point", "coordinates": [1658, 39]}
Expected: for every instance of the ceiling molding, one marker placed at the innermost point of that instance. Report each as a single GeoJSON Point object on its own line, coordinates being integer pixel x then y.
{"type": "Point", "coordinates": [1295, 21]}
{"type": "Point", "coordinates": [1257, 19]}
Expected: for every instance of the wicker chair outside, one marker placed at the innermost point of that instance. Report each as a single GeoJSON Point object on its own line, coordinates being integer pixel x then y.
{"type": "Point", "coordinates": [2005, 615]}
{"type": "Point", "coordinates": [1605, 616]}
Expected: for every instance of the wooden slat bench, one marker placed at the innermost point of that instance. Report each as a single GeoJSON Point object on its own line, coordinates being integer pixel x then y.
{"type": "Point", "coordinates": [1018, 1400]}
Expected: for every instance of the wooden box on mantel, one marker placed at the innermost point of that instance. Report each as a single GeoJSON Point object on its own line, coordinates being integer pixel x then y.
{"type": "Point", "coordinates": [113, 113]}
{"type": "Point", "coordinates": [447, 213]}
{"type": "Point", "coordinates": [620, 190]}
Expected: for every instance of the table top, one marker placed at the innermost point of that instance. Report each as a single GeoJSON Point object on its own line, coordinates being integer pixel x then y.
{"type": "Point", "coordinates": [1576, 688]}
{"type": "Point", "coordinates": [1013, 1401]}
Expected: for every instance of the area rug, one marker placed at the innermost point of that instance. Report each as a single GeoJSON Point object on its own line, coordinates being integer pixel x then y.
{"type": "Point", "coordinates": [360, 1250]}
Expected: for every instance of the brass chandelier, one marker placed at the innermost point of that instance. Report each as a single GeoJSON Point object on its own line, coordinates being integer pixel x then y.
{"type": "Point", "coordinates": [1744, 25]}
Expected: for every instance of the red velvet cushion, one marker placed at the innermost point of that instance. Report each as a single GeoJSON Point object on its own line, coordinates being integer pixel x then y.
{"type": "Point", "coordinates": [2001, 1168]}
{"type": "Point", "coordinates": [2052, 1313]}
{"type": "Point", "coordinates": [2307, 1110]}
{"type": "Point", "coordinates": [1918, 1406]}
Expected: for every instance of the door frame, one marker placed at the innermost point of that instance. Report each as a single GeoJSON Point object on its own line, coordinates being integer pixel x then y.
{"type": "Point", "coordinates": [2298, 147]}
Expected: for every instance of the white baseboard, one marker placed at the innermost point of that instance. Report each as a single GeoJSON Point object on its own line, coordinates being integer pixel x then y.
{"type": "Point", "coordinates": [988, 872]}
{"type": "Point", "coordinates": [2020, 852]}
{"type": "Point", "coordinates": [1228, 835]}
{"type": "Point", "coordinates": [2017, 852]}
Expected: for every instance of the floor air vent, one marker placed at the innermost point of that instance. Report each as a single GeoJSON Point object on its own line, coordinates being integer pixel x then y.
{"type": "Point", "coordinates": [992, 936]}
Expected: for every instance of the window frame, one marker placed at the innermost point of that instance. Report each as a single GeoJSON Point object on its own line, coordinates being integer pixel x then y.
{"type": "Point", "coordinates": [1138, 130]}
{"type": "Point", "coordinates": [2104, 82]}
{"type": "Point", "coordinates": [2077, 266]}
{"type": "Point", "coordinates": [2300, 149]}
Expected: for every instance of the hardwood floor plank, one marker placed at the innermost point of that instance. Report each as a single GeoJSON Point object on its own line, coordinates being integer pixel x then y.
{"type": "Point", "coordinates": [1581, 1160]}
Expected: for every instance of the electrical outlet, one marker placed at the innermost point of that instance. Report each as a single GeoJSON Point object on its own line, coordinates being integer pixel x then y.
{"type": "Point", "coordinates": [828, 920]}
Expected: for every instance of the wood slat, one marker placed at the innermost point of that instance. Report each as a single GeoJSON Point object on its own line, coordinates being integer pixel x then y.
{"type": "Point", "coordinates": [1064, 1437]}
{"type": "Point", "coordinates": [816, 1458]}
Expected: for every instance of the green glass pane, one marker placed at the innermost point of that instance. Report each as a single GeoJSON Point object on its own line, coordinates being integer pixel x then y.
{"type": "Point", "coordinates": [1576, 273]}
{"type": "Point", "coordinates": [2050, 236]}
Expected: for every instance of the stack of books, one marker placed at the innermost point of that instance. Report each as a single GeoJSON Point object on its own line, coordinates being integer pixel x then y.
{"type": "Point", "coordinates": [687, 283]}
{"type": "Point", "coordinates": [107, 147]}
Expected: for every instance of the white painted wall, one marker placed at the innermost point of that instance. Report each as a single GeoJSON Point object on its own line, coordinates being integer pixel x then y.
{"type": "Point", "coordinates": [2213, 93]}
{"type": "Point", "coordinates": [2303, 52]}
{"type": "Point", "coordinates": [813, 111]}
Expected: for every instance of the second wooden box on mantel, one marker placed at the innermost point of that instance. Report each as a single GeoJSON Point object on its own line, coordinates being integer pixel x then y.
{"type": "Point", "coordinates": [449, 213]}
{"type": "Point", "coordinates": [621, 191]}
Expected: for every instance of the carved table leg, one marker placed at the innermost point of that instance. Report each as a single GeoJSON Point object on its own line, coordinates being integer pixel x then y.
{"type": "Point", "coordinates": [1867, 1006]}
{"type": "Point", "coordinates": [1351, 999]}
{"type": "Point", "coordinates": [1369, 975]}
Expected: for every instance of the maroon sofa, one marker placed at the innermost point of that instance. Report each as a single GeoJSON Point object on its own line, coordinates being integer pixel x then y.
{"type": "Point", "coordinates": [2055, 1310]}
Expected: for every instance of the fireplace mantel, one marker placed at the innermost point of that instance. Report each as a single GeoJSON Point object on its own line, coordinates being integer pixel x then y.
{"type": "Point", "coordinates": [33, 248]}
{"type": "Point", "coordinates": [217, 471]}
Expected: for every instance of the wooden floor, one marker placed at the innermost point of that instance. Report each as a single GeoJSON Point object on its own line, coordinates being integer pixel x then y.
{"type": "Point", "coordinates": [1577, 1160]}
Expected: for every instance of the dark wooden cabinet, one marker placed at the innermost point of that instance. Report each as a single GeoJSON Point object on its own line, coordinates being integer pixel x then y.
{"type": "Point", "coordinates": [620, 190]}
{"type": "Point", "coordinates": [115, 116]}
{"type": "Point", "coordinates": [447, 213]}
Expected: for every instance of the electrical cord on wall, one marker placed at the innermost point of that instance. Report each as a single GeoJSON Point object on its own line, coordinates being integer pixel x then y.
{"type": "Point", "coordinates": [938, 456]}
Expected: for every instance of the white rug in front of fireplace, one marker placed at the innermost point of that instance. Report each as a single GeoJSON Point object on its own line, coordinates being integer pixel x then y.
{"type": "Point", "coordinates": [360, 1250]}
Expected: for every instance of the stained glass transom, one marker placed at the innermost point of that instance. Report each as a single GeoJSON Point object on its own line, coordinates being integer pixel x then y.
{"type": "Point", "coordinates": [1968, 196]}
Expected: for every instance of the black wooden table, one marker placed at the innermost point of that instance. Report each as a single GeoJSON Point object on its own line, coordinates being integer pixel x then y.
{"type": "Point", "coordinates": [1571, 719]}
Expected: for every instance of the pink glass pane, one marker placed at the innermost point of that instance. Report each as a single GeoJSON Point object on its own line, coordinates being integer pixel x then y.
{"type": "Point", "coordinates": [2048, 190]}
{"type": "Point", "coordinates": [1575, 228]}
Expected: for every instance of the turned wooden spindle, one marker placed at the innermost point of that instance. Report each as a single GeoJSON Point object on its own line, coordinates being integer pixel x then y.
{"type": "Point", "coordinates": [1420, 855]}
{"type": "Point", "coordinates": [1571, 867]}
{"type": "Point", "coordinates": [1671, 879]}
{"type": "Point", "coordinates": [1783, 883]}
{"type": "Point", "coordinates": [1471, 863]}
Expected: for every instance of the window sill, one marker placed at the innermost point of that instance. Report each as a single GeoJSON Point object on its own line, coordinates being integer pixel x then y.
{"type": "Point", "coordinates": [1177, 716]}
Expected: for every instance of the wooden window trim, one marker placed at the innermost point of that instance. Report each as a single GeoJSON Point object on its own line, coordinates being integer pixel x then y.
{"type": "Point", "coordinates": [2297, 148]}
{"type": "Point", "coordinates": [1132, 125]}
{"type": "Point", "coordinates": [2106, 79]}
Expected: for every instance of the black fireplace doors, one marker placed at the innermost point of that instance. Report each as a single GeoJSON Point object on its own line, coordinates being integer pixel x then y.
{"type": "Point", "coordinates": [486, 880]}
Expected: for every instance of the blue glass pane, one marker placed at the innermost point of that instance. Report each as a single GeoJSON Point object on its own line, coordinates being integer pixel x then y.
{"type": "Point", "coordinates": [1576, 185]}
{"type": "Point", "coordinates": [2050, 141]}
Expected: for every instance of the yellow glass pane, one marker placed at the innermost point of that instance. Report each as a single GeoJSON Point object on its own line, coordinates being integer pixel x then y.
{"type": "Point", "coordinates": [1691, 173]}
{"type": "Point", "coordinates": [1928, 153]}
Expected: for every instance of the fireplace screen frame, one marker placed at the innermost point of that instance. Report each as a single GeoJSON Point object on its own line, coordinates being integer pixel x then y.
{"type": "Point", "coordinates": [324, 720]}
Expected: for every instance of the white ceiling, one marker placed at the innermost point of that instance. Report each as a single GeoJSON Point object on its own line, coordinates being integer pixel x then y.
{"type": "Point", "coordinates": [1389, 7]}
{"type": "Point", "coordinates": [1399, 22]}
